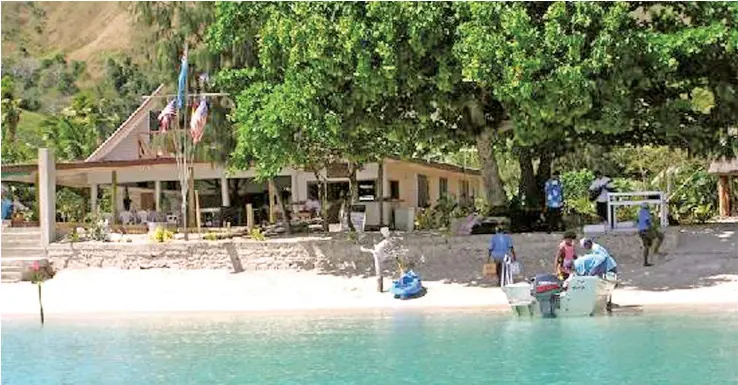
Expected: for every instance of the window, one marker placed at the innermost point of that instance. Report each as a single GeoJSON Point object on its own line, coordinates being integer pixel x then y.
{"type": "Point", "coordinates": [154, 120]}
{"type": "Point", "coordinates": [394, 189]}
{"type": "Point", "coordinates": [442, 187]}
{"type": "Point", "coordinates": [464, 190]}
{"type": "Point", "coordinates": [423, 193]}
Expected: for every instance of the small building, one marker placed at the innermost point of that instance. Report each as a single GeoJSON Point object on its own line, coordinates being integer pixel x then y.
{"type": "Point", "coordinates": [727, 171]}
{"type": "Point", "coordinates": [145, 178]}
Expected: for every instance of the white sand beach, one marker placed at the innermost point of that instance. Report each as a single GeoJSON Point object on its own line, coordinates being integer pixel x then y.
{"type": "Point", "coordinates": [701, 271]}
{"type": "Point", "coordinates": [126, 291]}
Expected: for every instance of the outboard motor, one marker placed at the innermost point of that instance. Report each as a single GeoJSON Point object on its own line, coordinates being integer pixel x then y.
{"type": "Point", "coordinates": [545, 288]}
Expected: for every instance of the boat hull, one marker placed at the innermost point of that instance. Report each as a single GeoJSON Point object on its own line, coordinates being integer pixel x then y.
{"type": "Point", "coordinates": [584, 296]}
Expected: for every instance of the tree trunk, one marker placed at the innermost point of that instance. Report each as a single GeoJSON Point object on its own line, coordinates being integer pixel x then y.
{"type": "Point", "coordinates": [532, 182]}
{"type": "Point", "coordinates": [380, 191]}
{"type": "Point", "coordinates": [493, 187]}
{"type": "Point", "coordinates": [323, 197]}
{"type": "Point", "coordinates": [527, 189]}
{"type": "Point", "coordinates": [352, 196]}
{"type": "Point", "coordinates": [280, 202]}
{"type": "Point", "coordinates": [543, 173]}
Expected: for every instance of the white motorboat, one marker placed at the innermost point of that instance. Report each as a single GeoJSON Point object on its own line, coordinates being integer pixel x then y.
{"type": "Point", "coordinates": [546, 296]}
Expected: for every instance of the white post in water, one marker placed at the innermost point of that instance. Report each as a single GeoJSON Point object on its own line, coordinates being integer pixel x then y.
{"type": "Point", "coordinates": [47, 195]}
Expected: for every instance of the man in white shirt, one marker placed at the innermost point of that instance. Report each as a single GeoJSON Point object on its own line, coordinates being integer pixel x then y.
{"type": "Point", "coordinates": [598, 191]}
{"type": "Point", "coordinates": [313, 206]}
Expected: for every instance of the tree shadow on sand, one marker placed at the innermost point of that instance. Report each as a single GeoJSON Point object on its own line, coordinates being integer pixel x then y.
{"type": "Point", "coordinates": [704, 256]}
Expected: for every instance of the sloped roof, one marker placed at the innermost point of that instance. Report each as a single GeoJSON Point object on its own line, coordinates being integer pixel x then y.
{"type": "Point", "coordinates": [123, 130]}
{"type": "Point", "coordinates": [724, 166]}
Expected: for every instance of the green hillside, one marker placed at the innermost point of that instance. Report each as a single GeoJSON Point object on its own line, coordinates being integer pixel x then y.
{"type": "Point", "coordinates": [84, 31]}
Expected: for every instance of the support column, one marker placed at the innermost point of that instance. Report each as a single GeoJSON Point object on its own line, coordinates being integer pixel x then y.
{"type": "Point", "coordinates": [114, 195]}
{"type": "Point", "coordinates": [157, 195]}
{"type": "Point", "coordinates": [294, 187]}
{"type": "Point", "coordinates": [271, 190]}
{"type": "Point", "coordinates": [191, 222]}
{"type": "Point", "coordinates": [379, 187]}
{"type": "Point", "coordinates": [724, 196]}
{"type": "Point", "coordinates": [47, 195]}
{"type": "Point", "coordinates": [225, 198]}
{"type": "Point", "coordinates": [93, 198]}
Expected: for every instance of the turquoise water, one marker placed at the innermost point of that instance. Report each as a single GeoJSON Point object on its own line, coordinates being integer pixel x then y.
{"type": "Point", "coordinates": [376, 349]}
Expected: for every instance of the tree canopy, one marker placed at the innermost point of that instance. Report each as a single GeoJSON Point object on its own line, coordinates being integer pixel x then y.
{"type": "Point", "coordinates": [358, 81]}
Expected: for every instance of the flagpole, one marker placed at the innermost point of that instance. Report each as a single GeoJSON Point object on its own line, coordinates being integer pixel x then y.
{"type": "Point", "coordinates": [186, 153]}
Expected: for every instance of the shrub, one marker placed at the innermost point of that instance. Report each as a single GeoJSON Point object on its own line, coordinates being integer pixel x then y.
{"type": "Point", "coordinates": [73, 235]}
{"type": "Point", "coordinates": [97, 229]}
{"type": "Point", "coordinates": [695, 199]}
{"type": "Point", "coordinates": [440, 215]}
{"type": "Point", "coordinates": [161, 235]}
{"type": "Point", "coordinates": [256, 234]}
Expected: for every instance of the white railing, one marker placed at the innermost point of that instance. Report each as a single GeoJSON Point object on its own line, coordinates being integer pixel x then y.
{"type": "Point", "coordinates": [623, 199]}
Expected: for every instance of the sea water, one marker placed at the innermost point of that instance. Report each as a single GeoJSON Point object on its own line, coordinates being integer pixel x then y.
{"type": "Point", "coordinates": [375, 349]}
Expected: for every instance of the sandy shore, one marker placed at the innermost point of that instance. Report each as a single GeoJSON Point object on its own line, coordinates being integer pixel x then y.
{"type": "Point", "coordinates": [126, 291]}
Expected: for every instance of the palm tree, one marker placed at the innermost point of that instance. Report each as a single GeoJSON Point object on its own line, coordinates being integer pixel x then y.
{"type": "Point", "coordinates": [72, 139]}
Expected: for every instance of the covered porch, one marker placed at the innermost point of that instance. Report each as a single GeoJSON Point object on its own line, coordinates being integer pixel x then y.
{"type": "Point", "coordinates": [139, 191]}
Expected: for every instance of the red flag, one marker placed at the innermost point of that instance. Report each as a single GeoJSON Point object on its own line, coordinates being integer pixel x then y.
{"type": "Point", "coordinates": [199, 118]}
{"type": "Point", "coordinates": [166, 116]}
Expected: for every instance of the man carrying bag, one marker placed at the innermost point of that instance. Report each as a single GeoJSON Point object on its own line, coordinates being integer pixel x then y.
{"type": "Point", "coordinates": [500, 250]}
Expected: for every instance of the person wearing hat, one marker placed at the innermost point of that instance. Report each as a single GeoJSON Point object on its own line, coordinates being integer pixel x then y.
{"type": "Point", "coordinates": [598, 192]}
{"type": "Point", "coordinates": [500, 246]}
{"type": "Point", "coordinates": [650, 235]}
{"type": "Point", "coordinates": [597, 261]}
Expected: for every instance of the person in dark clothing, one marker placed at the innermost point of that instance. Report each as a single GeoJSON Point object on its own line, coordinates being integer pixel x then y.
{"type": "Point", "coordinates": [598, 190]}
{"type": "Point", "coordinates": [127, 201]}
{"type": "Point", "coordinates": [554, 192]}
{"type": "Point", "coordinates": [649, 233]}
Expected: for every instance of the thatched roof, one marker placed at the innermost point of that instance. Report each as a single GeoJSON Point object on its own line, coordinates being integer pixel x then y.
{"type": "Point", "coordinates": [724, 166]}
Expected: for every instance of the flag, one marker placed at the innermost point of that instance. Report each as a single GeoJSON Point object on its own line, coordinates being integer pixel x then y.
{"type": "Point", "coordinates": [182, 82]}
{"type": "Point", "coordinates": [199, 118]}
{"type": "Point", "coordinates": [166, 116]}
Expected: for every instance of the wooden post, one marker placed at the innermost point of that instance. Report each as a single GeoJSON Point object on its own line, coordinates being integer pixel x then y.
{"type": "Point", "coordinates": [197, 211]}
{"type": "Point", "coordinates": [272, 189]}
{"type": "Point", "coordinates": [380, 191]}
{"type": "Point", "coordinates": [724, 196]}
{"type": "Point", "coordinates": [114, 196]}
{"type": "Point", "coordinates": [40, 304]}
{"type": "Point", "coordinates": [249, 216]}
{"type": "Point", "coordinates": [38, 192]}
{"type": "Point", "coordinates": [191, 220]}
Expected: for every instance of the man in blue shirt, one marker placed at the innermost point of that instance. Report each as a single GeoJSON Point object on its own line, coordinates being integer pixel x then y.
{"type": "Point", "coordinates": [554, 202]}
{"type": "Point", "coordinates": [597, 261]}
{"type": "Point", "coordinates": [500, 246]}
{"type": "Point", "coordinates": [648, 233]}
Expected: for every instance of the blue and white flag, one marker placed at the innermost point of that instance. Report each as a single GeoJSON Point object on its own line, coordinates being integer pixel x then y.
{"type": "Point", "coordinates": [182, 82]}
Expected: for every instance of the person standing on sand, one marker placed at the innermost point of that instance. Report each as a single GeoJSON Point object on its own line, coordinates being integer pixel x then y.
{"type": "Point", "coordinates": [565, 256]}
{"type": "Point", "coordinates": [500, 246]}
{"type": "Point", "coordinates": [598, 190]}
{"type": "Point", "coordinates": [648, 233]}
{"type": "Point", "coordinates": [554, 202]}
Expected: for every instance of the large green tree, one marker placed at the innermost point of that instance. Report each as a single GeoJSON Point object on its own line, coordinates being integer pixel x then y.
{"type": "Point", "coordinates": [541, 78]}
{"type": "Point", "coordinates": [316, 94]}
